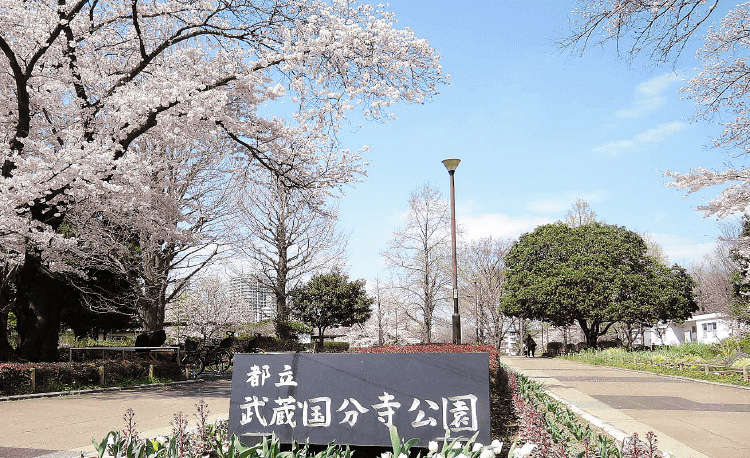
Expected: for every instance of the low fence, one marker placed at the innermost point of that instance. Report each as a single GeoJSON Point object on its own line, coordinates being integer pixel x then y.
{"type": "Point", "coordinates": [102, 378]}
{"type": "Point", "coordinates": [123, 350]}
{"type": "Point", "coordinates": [708, 368]}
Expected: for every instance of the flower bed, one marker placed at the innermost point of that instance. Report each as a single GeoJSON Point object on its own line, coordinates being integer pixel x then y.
{"type": "Point", "coordinates": [208, 440]}
{"type": "Point", "coordinates": [437, 348]}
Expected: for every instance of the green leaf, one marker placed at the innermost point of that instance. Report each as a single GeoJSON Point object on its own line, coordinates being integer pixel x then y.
{"type": "Point", "coordinates": [395, 441]}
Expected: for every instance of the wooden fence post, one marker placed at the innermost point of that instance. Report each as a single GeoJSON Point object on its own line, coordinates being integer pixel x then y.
{"type": "Point", "coordinates": [744, 373]}
{"type": "Point", "coordinates": [151, 371]}
{"type": "Point", "coordinates": [101, 375]}
{"type": "Point", "coordinates": [32, 375]}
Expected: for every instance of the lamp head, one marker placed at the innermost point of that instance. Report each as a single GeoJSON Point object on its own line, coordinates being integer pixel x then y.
{"type": "Point", "coordinates": [451, 164]}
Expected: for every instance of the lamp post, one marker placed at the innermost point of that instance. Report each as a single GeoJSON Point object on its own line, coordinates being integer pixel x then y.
{"type": "Point", "coordinates": [451, 164]}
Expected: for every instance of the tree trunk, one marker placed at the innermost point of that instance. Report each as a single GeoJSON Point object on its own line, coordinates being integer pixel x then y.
{"type": "Point", "coordinates": [428, 328]}
{"type": "Point", "coordinates": [37, 309]}
{"type": "Point", "coordinates": [629, 335]}
{"type": "Point", "coordinates": [152, 315]}
{"type": "Point", "coordinates": [591, 332]}
{"type": "Point", "coordinates": [152, 310]}
{"type": "Point", "coordinates": [319, 341]}
{"type": "Point", "coordinates": [7, 299]}
{"type": "Point", "coordinates": [6, 350]}
{"type": "Point", "coordinates": [283, 330]}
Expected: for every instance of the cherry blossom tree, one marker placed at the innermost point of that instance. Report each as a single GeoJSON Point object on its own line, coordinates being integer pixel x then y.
{"type": "Point", "coordinates": [91, 85]}
{"type": "Point", "coordinates": [205, 309]}
{"type": "Point", "coordinates": [662, 29]}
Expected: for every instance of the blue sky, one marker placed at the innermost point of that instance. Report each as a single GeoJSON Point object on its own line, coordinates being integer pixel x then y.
{"type": "Point", "coordinates": [536, 128]}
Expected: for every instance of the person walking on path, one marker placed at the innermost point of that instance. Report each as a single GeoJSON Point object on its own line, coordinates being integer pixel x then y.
{"type": "Point", "coordinates": [530, 346]}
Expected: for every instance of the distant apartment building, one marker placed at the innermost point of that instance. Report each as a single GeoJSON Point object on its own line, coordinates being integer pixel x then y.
{"type": "Point", "coordinates": [252, 299]}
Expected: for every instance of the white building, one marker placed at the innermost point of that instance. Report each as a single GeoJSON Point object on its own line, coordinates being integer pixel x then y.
{"type": "Point", "coordinates": [708, 328]}
{"type": "Point", "coordinates": [252, 298]}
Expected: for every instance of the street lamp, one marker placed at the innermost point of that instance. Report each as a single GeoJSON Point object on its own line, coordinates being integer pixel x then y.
{"type": "Point", "coordinates": [451, 164]}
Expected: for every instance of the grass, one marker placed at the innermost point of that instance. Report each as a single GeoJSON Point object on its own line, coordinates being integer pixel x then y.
{"type": "Point", "coordinates": [724, 360]}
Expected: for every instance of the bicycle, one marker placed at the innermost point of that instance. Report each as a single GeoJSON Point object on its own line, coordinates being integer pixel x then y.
{"type": "Point", "coordinates": [218, 357]}
{"type": "Point", "coordinates": [192, 359]}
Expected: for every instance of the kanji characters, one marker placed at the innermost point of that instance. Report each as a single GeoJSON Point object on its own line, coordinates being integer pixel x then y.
{"type": "Point", "coordinates": [286, 377]}
{"type": "Point", "coordinates": [421, 420]}
{"type": "Point", "coordinates": [387, 408]}
{"type": "Point", "coordinates": [351, 416]}
{"type": "Point", "coordinates": [460, 413]}
{"type": "Point", "coordinates": [316, 412]}
{"type": "Point", "coordinates": [252, 407]}
{"type": "Point", "coordinates": [284, 413]}
{"type": "Point", "coordinates": [258, 375]}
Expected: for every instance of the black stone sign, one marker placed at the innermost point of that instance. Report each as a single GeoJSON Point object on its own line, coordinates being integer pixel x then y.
{"type": "Point", "coordinates": [352, 398]}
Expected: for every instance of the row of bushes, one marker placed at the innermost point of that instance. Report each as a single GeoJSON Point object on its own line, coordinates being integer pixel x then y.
{"type": "Point", "coordinates": [28, 378]}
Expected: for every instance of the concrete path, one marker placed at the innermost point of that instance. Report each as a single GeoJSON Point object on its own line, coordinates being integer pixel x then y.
{"type": "Point", "coordinates": [690, 418]}
{"type": "Point", "coordinates": [63, 427]}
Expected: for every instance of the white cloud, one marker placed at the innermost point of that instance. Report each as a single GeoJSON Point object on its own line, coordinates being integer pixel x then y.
{"type": "Point", "coordinates": [657, 85]}
{"type": "Point", "coordinates": [614, 148]}
{"type": "Point", "coordinates": [648, 96]}
{"type": "Point", "coordinates": [657, 134]}
{"type": "Point", "coordinates": [683, 250]}
{"type": "Point", "coordinates": [499, 226]}
{"type": "Point", "coordinates": [557, 204]}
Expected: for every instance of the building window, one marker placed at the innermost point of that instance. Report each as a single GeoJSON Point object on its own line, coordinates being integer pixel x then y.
{"type": "Point", "coordinates": [709, 328]}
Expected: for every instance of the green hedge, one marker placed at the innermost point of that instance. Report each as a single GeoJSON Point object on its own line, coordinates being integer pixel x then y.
{"type": "Point", "coordinates": [335, 347]}
{"type": "Point", "coordinates": [16, 378]}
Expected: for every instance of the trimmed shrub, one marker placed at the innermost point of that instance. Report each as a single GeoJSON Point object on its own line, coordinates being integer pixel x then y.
{"type": "Point", "coordinates": [246, 344]}
{"type": "Point", "coordinates": [555, 348]}
{"type": "Point", "coordinates": [335, 347]}
{"type": "Point", "coordinates": [609, 343]}
{"type": "Point", "coordinates": [15, 378]}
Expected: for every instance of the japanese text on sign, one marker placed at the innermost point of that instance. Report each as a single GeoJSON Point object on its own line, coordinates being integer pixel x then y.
{"type": "Point", "coordinates": [456, 413]}
{"type": "Point", "coordinates": [354, 398]}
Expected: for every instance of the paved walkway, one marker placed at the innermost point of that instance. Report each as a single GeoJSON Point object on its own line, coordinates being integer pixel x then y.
{"type": "Point", "coordinates": [63, 427]}
{"type": "Point", "coordinates": [692, 419]}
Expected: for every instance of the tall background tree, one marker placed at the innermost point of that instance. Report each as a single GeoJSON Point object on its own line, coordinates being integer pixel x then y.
{"type": "Point", "coordinates": [417, 254]}
{"type": "Point", "coordinates": [483, 274]}
{"type": "Point", "coordinates": [594, 275]}
{"type": "Point", "coordinates": [288, 233]}
{"type": "Point", "coordinates": [331, 300]}
{"type": "Point", "coordinates": [92, 84]}
{"type": "Point", "coordinates": [206, 309]}
{"type": "Point", "coordinates": [714, 274]}
{"type": "Point", "coordinates": [580, 214]}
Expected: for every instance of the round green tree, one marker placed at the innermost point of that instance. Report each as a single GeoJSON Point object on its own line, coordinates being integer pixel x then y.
{"type": "Point", "coordinates": [331, 300]}
{"type": "Point", "coordinates": [594, 275]}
